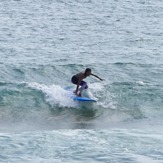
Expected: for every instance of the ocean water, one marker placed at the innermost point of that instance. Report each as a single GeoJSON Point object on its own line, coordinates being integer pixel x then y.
{"type": "Point", "coordinates": [44, 43]}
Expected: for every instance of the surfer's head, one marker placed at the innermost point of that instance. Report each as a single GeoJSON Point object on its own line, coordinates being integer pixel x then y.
{"type": "Point", "coordinates": [87, 72]}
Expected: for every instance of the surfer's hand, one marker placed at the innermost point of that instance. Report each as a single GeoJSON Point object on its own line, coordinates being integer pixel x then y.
{"type": "Point", "coordinates": [76, 92]}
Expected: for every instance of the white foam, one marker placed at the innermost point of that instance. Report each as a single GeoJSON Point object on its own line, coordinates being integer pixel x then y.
{"type": "Point", "coordinates": [96, 86]}
{"type": "Point", "coordinates": [54, 95]}
{"type": "Point", "coordinates": [141, 83]}
{"type": "Point", "coordinates": [98, 91]}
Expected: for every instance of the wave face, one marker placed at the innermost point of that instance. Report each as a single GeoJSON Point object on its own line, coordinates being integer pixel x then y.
{"type": "Point", "coordinates": [40, 106]}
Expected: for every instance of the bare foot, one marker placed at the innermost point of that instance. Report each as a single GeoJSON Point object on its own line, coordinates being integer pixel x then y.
{"type": "Point", "coordinates": [75, 93]}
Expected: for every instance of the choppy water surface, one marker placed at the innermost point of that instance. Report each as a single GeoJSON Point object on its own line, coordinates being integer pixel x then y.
{"type": "Point", "coordinates": [43, 43]}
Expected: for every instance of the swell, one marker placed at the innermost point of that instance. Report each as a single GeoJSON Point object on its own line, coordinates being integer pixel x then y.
{"type": "Point", "coordinates": [41, 106]}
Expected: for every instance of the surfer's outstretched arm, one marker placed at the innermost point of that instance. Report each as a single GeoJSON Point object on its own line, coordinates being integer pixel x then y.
{"type": "Point", "coordinates": [97, 77]}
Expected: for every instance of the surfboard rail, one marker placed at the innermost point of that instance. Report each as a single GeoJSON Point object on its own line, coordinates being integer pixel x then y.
{"type": "Point", "coordinates": [84, 99]}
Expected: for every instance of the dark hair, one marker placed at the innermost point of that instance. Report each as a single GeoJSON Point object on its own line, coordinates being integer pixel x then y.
{"type": "Point", "coordinates": [87, 70]}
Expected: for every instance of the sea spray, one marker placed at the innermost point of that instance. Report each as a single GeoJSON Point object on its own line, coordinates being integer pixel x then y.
{"type": "Point", "coordinates": [55, 95]}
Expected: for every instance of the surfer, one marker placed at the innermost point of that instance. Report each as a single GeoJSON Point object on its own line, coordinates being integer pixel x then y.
{"type": "Point", "coordinates": [78, 80]}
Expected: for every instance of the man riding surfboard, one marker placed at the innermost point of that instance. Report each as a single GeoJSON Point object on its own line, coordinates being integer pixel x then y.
{"type": "Point", "coordinates": [78, 80]}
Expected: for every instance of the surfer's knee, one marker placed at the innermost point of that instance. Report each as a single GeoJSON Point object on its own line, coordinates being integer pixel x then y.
{"type": "Point", "coordinates": [86, 86]}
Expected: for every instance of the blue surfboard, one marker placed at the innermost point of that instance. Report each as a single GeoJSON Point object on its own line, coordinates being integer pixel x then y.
{"type": "Point", "coordinates": [84, 99]}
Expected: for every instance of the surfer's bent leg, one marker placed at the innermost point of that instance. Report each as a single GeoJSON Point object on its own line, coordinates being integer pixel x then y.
{"type": "Point", "coordinates": [84, 85]}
